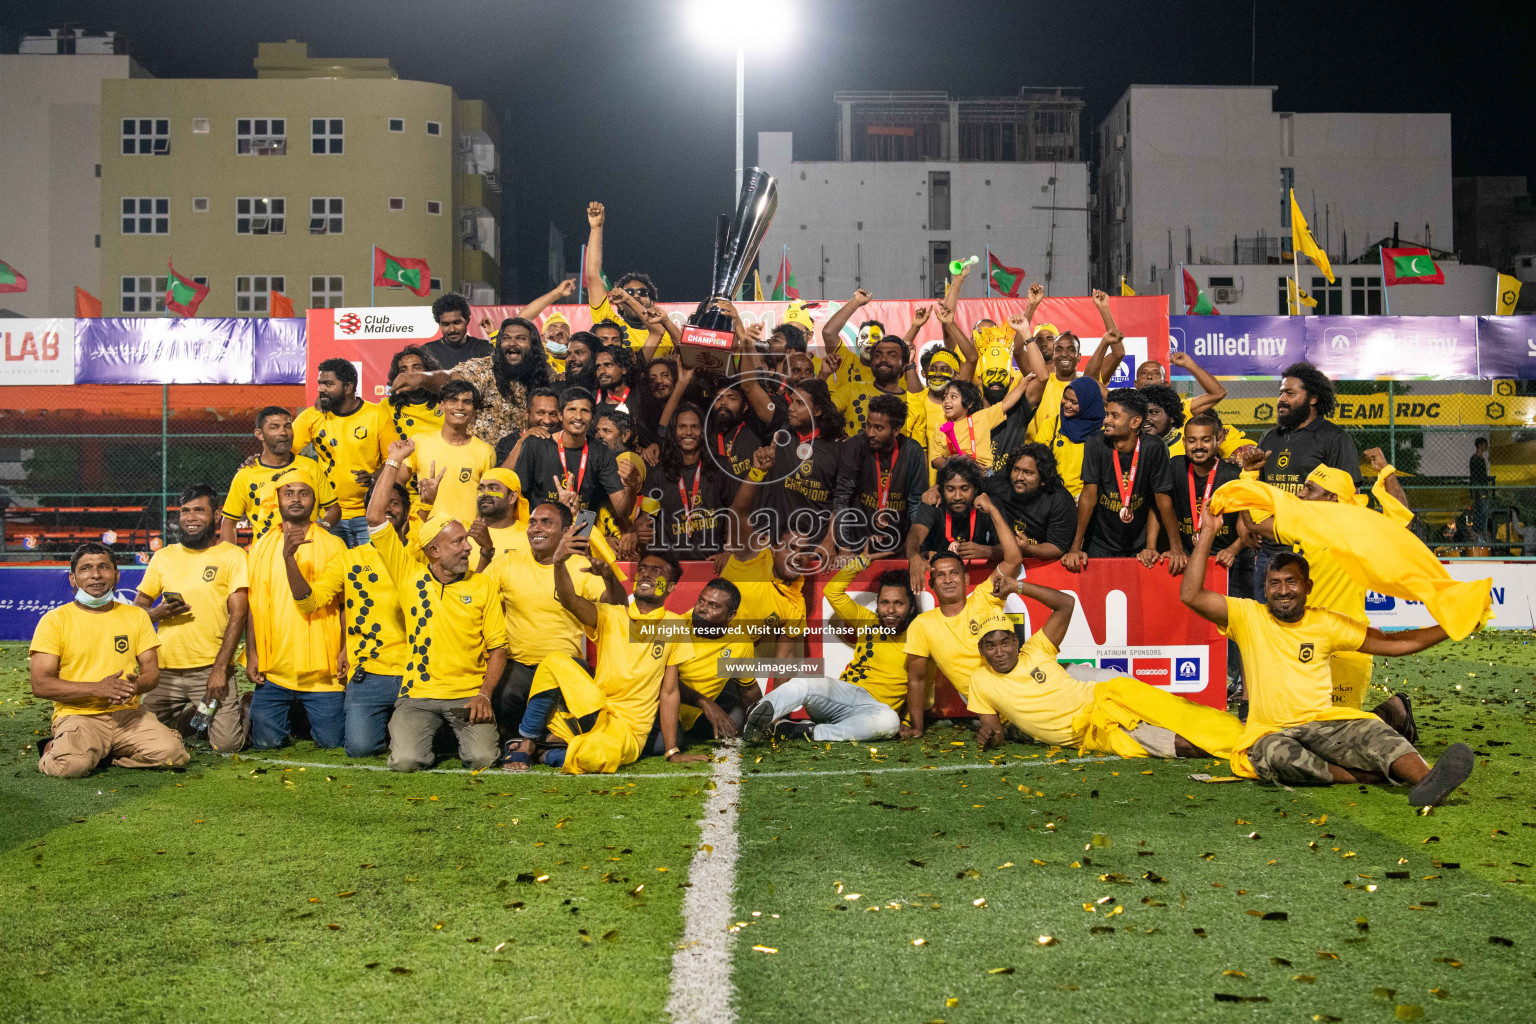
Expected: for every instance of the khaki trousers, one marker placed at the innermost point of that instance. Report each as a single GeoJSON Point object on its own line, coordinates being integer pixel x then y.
{"type": "Point", "coordinates": [175, 699]}
{"type": "Point", "coordinates": [133, 737]}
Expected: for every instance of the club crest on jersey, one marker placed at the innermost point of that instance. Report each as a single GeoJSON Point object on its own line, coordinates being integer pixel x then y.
{"type": "Point", "coordinates": [656, 650]}
{"type": "Point", "coordinates": [120, 643]}
{"type": "Point", "coordinates": [359, 432]}
{"type": "Point", "coordinates": [464, 475]}
{"type": "Point", "coordinates": [209, 572]}
{"type": "Point", "coordinates": [465, 598]}
{"type": "Point", "coordinates": [975, 627]}
{"type": "Point", "coordinates": [1038, 675]}
{"type": "Point", "coordinates": [1305, 654]}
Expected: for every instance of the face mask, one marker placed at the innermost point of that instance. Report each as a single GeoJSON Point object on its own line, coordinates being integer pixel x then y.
{"type": "Point", "coordinates": [554, 348]}
{"type": "Point", "coordinates": [94, 602]}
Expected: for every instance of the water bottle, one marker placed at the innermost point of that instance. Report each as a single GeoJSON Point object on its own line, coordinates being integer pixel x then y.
{"type": "Point", "coordinates": [204, 716]}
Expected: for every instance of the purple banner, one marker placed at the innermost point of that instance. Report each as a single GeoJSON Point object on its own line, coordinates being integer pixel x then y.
{"type": "Point", "coordinates": [280, 351]}
{"type": "Point", "coordinates": [156, 350]}
{"type": "Point", "coordinates": [27, 592]}
{"type": "Point", "coordinates": [1393, 347]}
{"type": "Point", "coordinates": [1237, 346]}
{"type": "Point", "coordinates": [1506, 347]}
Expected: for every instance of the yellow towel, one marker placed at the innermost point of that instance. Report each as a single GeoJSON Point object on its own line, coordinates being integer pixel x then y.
{"type": "Point", "coordinates": [1120, 705]}
{"type": "Point", "coordinates": [1372, 549]}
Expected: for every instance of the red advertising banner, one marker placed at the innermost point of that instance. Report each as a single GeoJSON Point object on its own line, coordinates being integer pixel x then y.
{"type": "Point", "coordinates": [369, 336]}
{"type": "Point", "coordinates": [1129, 619]}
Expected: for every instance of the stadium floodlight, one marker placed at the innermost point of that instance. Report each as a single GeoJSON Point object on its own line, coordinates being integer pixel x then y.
{"type": "Point", "coordinates": [732, 25]}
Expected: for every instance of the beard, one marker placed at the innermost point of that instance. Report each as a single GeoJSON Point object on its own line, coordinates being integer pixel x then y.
{"type": "Point", "coordinates": [994, 394]}
{"type": "Point", "coordinates": [705, 629]}
{"type": "Point", "coordinates": [201, 538]}
{"type": "Point", "coordinates": [1289, 616]}
{"type": "Point", "coordinates": [1295, 417]}
{"type": "Point", "coordinates": [325, 403]}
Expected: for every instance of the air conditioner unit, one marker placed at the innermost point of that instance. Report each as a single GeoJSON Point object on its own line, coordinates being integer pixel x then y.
{"type": "Point", "coordinates": [1119, 213]}
{"type": "Point", "coordinates": [1119, 141]}
{"type": "Point", "coordinates": [1227, 295]}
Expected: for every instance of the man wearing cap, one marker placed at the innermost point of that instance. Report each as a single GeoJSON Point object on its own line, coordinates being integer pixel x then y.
{"type": "Point", "coordinates": [294, 657]}
{"type": "Point", "coordinates": [1028, 687]}
{"type": "Point", "coordinates": [252, 494]}
{"type": "Point", "coordinates": [497, 528]}
{"type": "Point", "coordinates": [455, 630]}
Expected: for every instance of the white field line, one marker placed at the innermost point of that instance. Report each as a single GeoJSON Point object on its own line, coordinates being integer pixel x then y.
{"type": "Point", "coordinates": [539, 773]}
{"type": "Point", "coordinates": [702, 992]}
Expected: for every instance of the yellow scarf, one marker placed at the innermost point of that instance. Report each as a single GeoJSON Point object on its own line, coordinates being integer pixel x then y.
{"type": "Point", "coordinates": [305, 645]}
{"type": "Point", "coordinates": [1373, 550]}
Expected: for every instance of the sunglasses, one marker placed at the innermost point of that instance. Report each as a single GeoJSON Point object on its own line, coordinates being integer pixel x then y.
{"type": "Point", "coordinates": [638, 292]}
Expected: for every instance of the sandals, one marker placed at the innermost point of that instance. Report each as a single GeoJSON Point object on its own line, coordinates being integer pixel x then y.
{"type": "Point", "coordinates": [517, 754]}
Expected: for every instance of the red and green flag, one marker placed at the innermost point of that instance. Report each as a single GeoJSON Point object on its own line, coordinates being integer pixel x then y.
{"type": "Point", "coordinates": [11, 279]}
{"type": "Point", "coordinates": [402, 271]}
{"type": "Point", "coordinates": [86, 304]}
{"type": "Point", "coordinates": [785, 287]}
{"type": "Point", "coordinates": [1409, 266]}
{"type": "Point", "coordinates": [184, 294]}
{"type": "Point", "coordinates": [1005, 279]}
{"type": "Point", "coordinates": [1195, 302]}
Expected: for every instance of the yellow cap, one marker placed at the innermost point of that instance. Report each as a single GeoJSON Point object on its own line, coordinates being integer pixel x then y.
{"type": "Point", "coordinates": [1337, 482]}
{"type": "Point", "coordinates": [556, 317]}
{"type": "Point", "coordinates": [1048, 327]}
{"type": "Point", "coordinates": [799, 315]}
{"type": "Point", "coordinates": [432, 527]}
{"type": "Point", "coordinates": [994, 621]}
{"type": "Point", "coordinates": [505, 477]}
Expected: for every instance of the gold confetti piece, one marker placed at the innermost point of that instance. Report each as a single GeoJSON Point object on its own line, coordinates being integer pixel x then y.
{"type": "Point", "coordinates": [951, 1002]}
{"type": "Point", "coordinates": [1090, 908]}
{"type": "Point", "coordinates": [1007, 865]}
{"type": "Point", "coordinates": [919, 942]}
{"type": "Point", "coordinates": [349, 892]}
{"type": "Point", "coordinates": [1233, 974]}
{"type": "Point", "coordinates": [1037, 862]}
{"type": "Point", "coordinates": [1306, 979]}
{"type": "Point", "coordinates": [314, 899]}
{"type": "Point", "coordinates": [439, 925]}
{"type": "Point", "coordinates": [765, 949]}
{"type": "Point", "coordinates": [1074, 864]}
{"type": "Point", "coordinates": [1117, 910]}
{"type": "Point", "coordinates": [334, 927]}
{"type": "Point", "coordinates": [981, 902]}
{"type": "Point", "coordinates": [1439, 993]}
{"type": "Point", "coordinates": [1405, 1011]}
{"type": "Point", "coordinates": [706, 848]}
{"type": "Point", "coordinates": [1004, 970]}
{"type": "Point", "coordinates": [1450, 962]}
{"type": "Point", "coordinates": [1384, 993]}
{"type": "Point", "coordinates": [1046, 940]}
{"type": "Point", "coordinates": [1100, 839]}
{"type": "Point", "coordinates": [852, 896]}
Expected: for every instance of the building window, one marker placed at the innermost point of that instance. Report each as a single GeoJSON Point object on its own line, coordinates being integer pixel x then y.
{"type": "Point", "coordinates": [261, 136]}
{"type": "Point", "coordinates": [325, 136]}
{"type": "Point", "coordinates": [397, 124]}
{"type": "Point", "coordinates": [325, 215]}
{"type": "Point", "coordinates": [938, 269]}
{"type": "Point", "coordinates": [434, 207]}
{"type": "Point", "coordinates": [260, 215]}
{"type": "Point", "coordinates": [396, 204]}
{"type": "Point", "coordinates": [143, 294]}
{"type": "Point", "coordinates": [938, 200]}
{"type": "Point", "coordinates": [434, 128]}
{"type": "Point", "coordinates": [199, 126]}
{"type": "Point", "coordinates": [1287, 182]}
{"type": "Point", "coordinates": [1282, 296]}
{"type": "Point", "coordinates": [1330, 297]}
{"type": "Point", "coordinates": [1364, 296]}
{"type": "Point", "coordinates": [200, 204]}
{"type": "Point", "coordinates": [252, 293]}
{"type": "Point", "coordinates": [435, 284]}
{"type": "Point", "coordinates": [146, 136]}
{"type": "Point", "coordinates": [324, 292]}
{"type": "Point", "coordinates": [144, 215]}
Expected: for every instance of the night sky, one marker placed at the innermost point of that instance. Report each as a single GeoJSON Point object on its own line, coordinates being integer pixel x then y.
{"type": "Point", "coordinates": [616, 101]}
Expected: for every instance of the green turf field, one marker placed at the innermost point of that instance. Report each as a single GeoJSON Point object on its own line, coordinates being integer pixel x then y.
{"type": "Point", "coordinates": [245, 889]}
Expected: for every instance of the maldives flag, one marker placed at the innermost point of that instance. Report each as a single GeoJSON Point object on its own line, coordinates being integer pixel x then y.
{"type": "Point", "coordinates": [412, 274]}
{"type": "Point", "coordinates": [1409, 266]}
{"type": "Point", "coordinates": [1194, 299]}
{"type": "Point", "coordinates": [184, 295]}
{"type": "Point", "coordinates": [785, 287]}
{"type": "Point", "coordinates": [279, 304]}
{"type": "Point", "coordinates": [86, 305]}
{"type": "Point", "coordinates": [1005, 280]}
{"type": "Point", "coordinates": [11, 279]}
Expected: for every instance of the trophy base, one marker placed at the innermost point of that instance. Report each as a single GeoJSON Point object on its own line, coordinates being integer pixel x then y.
{"type": "Point", "coordinates": [707, 342]}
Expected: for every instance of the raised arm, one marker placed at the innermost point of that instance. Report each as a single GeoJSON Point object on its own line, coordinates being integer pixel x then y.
{"type": "Point", "coordinates": [1012, 557]}
{"type": "Point", "coordinates": [1207, 604]}
{"type": "Point", "coordinates": [390, 470]}
{"type": "Point", "coordinates": [565, 588]}
{"type": "Point", "coordinates": [1214, 392]}
{"type": "Point", "coordinates": [952, 293]}
{"type": "Point", "coordinates": [1060, 604]}
{"type": "Point", "coordinates": [1036, 296]}
{"type": "Point", "coordinates": [1027, 357]}
{"type": "Point", "coordinates": [960, 340]}
{"type": "Point", "coordinates": [831, 331]}
{"type": "Point", "coordinates": [559, 293]}
{"type": "Point", "coordinates": [1106, 358]}
{"type": "Point", "coordinates": [593, 270]}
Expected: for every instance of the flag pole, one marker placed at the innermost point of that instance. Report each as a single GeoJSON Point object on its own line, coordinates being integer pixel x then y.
{"type": "Point", "coordinates": [1386, 300]}
{"type": "Point", "coordinates": [373, 262]}
{"type": "Point", "coordinates": [1295, 275]}
{"type": "Point", "coordinates": [581, 272]}
{"type": "Point", "coordinates": [988, 284]}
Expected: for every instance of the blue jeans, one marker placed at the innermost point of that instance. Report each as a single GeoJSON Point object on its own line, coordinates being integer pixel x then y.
{"type": "Point", "coordinates": [272, 707]}
{"type": "Point", "coordinates": [370, 701]}
{"type": "Point", "coordinates": [840, 710]}
{"type": "Point", "coordinates": [354, 531]}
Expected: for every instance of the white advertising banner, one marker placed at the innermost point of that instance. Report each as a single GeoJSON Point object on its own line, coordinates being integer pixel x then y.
{"type": "Point", "coordinates": [1514, 586]}
{"type": "Point", "coordinates": [37, 351]}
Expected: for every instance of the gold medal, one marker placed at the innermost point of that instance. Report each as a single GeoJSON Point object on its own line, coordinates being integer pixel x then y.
{"type": "Point", "coordinates": [1125, 513]}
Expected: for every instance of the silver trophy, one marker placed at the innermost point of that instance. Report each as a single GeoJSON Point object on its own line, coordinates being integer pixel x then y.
{"type": "Point", "coordinates": [707, 339]}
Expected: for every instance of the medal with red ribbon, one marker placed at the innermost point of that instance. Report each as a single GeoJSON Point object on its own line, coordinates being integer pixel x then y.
{"type": "Point", "coordinates": [1126, 482]}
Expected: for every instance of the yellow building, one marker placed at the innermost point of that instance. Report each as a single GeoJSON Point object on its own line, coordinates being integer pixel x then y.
{"type": "Point", "coordinates": [285, 182]}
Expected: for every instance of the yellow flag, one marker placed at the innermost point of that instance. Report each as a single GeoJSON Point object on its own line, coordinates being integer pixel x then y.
{"type": "Point", "coordinates": [1303, 242]}
{"type": "Point", "coordinates": [1125, 289]}
{"type": "Point", "coordinates": [757, 287]}
{"type": "Point", "coordinates": [1297, 297]}
{"type": "Point", "coordinates": [1509, 294]}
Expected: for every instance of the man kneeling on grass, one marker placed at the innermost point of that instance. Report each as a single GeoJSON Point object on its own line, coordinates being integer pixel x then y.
{"type": "Point", "coordinates": [1295, 734]}
{"type": "Point", "coordinates": [92, 658]}
{"type": "Point", "coordinates": [1029, 687]}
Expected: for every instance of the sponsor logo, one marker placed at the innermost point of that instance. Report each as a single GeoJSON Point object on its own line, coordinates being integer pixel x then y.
{"type": "Point", "coordinates": [1219, 344]}
{"type": "Point", "coordinates": [1122, 665]}
{"type": "Point", "coordinates": [365, 322]}
{"type": "Point", "coordinates": [1305, 654]}
{"type": "Point", "coordinates": [1151, 670]}
{"type": "Point", "coordinates": [1495, 410]}
{"type": "Point", "coordinates": [1375, 602]}
{"type": "Point", "coordinates": [120, 644]}
{"type": "Point", "coordinates": [349, 324]}
{"type": "Point", "coordinates": [465, 598]}
{"type": "Point", "coordinates": [1186, 668]}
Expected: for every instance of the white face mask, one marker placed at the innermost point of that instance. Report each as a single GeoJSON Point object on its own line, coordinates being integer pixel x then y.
{"type": "Point", "coordinates": [94, 602]}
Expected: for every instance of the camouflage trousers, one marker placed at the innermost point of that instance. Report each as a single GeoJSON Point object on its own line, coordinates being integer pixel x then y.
{"type": "Point", "coordinates": [1300, 755]}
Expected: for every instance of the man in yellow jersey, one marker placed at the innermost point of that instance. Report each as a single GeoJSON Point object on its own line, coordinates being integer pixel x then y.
{"type": "Point", "coordinates": [252, 493]}
{"type": "Point", "coordinates": [455, 630]}
{"type": "Point", "coordinates": [1295, 734]}
{"type": "Point", "coordinates": [348, 435]}
{"type": "Point", "coordinates": [497, 528]}
{"type": "Point", "coordinates": [947, 634]}
{"type": "Point", "coordinates": [537, 625]}
{"type": "Point", "coordinates": [607, 716]}
{"type": "Point", "coordinates": [295, 658]}
{"type": "Point", "coordinates": [862, 704]}
{"type": "Point", "coordinates": [879, 368]}
{"type": "Point", "coordinates": [1030, 689]}
{"type": "Point", "coordinates": [412, 406]}
{"type": "Point", "coordinates": [638, 290]}
{"type": "Point", "coordinates": [453, 455]}
{"type": "Point", "coordinates": [357, 581]}
{"type": "Point", "coordinates": [854, 367]}
{"type": "Point", "coordinates": [1333, 589]}
{"type": "Point", "coordinates": [200, 620]}
{"type": "Point", "coordinates": [712, 704]}
{"type": "Point", "coordinates": [93, 658]}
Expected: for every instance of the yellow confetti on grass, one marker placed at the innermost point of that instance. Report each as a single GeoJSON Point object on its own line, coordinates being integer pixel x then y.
{"type": "Point", "coordinates": [765, 949]}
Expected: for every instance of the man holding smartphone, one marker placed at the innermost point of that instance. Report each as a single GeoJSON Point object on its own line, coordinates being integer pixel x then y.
{"type": "Point", "coordinates": [573, 467]}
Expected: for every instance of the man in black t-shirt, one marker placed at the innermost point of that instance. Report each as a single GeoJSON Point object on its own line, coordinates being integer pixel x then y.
{"type": "Point", "coordinates": [805, 469]}
{"type": "Point", "coordinates": [733, 432]}
{"type": "Point", "coordinates": [1196, 475]}
{"type": "Point", "coordinates": [1125, 475]}
{"type": "Point", "coordinates": [1035, 502]}
{"type": "Point", "coordinates": [573, 461]}
{"type": "Point", "coordinates": [965, 521]}
{"type": "Point", "coordinates": [880, 483]}
{"type": "Point", "coordinates": [451, 312]}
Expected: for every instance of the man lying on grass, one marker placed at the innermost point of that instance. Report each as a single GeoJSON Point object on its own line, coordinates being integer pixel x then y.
{"type": "Point", "coordinates": [1030, 689]}
{"type": "Point", "coordinates": [1295, 734]}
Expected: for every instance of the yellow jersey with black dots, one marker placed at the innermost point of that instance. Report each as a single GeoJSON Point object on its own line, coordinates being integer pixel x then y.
{"type": "Point", "coordinates": [344, 446]}
{"type": "Point", "coordinates": [450, 629]}
{"type": "Point", "coordinates": [852, 400]}
{"type": "Point", "coordinates": [370, 609]}
{"type": "Point", "coordinates": [879, 662]}
{"type": "Point", "coordinates": [410, 419]}
{"type": "Point", "coordinates": [253, 492]}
